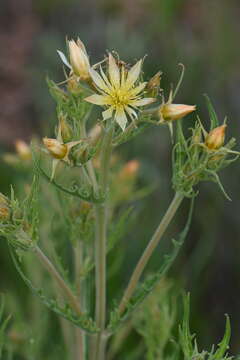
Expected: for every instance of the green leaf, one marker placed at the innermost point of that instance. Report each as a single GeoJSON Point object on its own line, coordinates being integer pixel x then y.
{"type": "Point", "coordinates": [213, 116]}
{"type": "Point", "coordinates": [84, 322]}
{"type": "Point", "coordinates": [85, 193]}
{"type": "Point", "coordinates": [223, 345]}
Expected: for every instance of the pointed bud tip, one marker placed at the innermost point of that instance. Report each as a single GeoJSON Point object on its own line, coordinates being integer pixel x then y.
{"type": "Point", "coordinates": [175, 111]}
{"type": "Point", "coordinates": [215, 139]}
{"type": "Point", "coordinates": [55, 148]}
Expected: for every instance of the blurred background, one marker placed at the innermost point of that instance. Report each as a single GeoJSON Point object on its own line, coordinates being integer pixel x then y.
{"type": "Point", "coordinates": [204, 36]}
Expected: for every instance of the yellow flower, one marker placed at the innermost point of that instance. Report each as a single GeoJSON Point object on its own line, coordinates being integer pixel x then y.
{"type": "Point", "coordinates": [118, 91]}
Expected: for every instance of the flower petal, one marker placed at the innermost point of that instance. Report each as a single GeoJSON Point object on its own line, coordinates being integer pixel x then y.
{"type": "Point", "coordinates": [142, 102]}
{"type": "Point", "coordinates": [98, 80]}
{"type": "Point", "coordinates": [103, 75]}
{"type": "Point", "coordinates": [121, 118]}
{"type": "Point", "coordinates": [64, 59]}
{"type": "Point", "coordinates": [132, 113]}
{"type": "Point", "coordinates": [137, 89]}
{"type": "Point", "coordinates": [134, 73]}
{"type": "Point", "coordinates": [114, 72]}
{"type": "Point", "coordinates": [97, 99]}
{"type": "Point", "coordinates": [107, 113]}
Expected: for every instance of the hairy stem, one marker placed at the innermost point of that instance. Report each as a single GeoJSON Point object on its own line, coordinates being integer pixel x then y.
{"type": "Point", "coordinates": [149, 250]}
{"type": "Point", "coordinates": [62, 284]}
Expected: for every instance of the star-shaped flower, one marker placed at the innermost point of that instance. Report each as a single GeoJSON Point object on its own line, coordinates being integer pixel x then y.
{"type": "Point", "coordinates": [119, 92]}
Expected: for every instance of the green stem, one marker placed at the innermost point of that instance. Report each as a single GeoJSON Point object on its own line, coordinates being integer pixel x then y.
{"type": "Point", "coordinates": [149, 250]}
{"type": "Point", "coordinates": [101, 244]}
{"type": "Point", "coordinates": [62, 284]}
{"type": "Point", "coordinates": [80, 336]}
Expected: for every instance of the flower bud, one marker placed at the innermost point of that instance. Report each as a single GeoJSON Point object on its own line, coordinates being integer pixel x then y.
{"type": "Point", "coordinates": [55, 148]}
{"type": "Point", "coordinates": [154, 82]}
{"type": "Point", "coordinates": [4, 213]}
{"type": "Point", "coordinates": [170, 112]}
{"type": "Point", "coordinates": [23, 150]}
{"type": "Point", "coordinates": [79, 59]}
{"type": "Point", "coordinates": [4, 208]}
{"type": "Point", "coordinates": [215, 139]}
{"type": "Point", "coordinates": [130, 169]}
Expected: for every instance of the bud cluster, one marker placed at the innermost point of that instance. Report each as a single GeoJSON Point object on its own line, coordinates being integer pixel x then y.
{"type": "Point", "coordinates": [201, 157]}
{"type": "Point", "coordinates": [13, 226]}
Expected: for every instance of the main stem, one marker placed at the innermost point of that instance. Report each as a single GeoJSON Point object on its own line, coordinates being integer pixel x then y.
{"type": "Point", "coordinates": [101, 241]}
{"type": "Point", "coordinates": [80, 336]}
{"type": "Point", "coordinates": [149, 250]}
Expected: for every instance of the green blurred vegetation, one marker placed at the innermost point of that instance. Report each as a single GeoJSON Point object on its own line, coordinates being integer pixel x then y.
{"type": "Point", "coordinates": [204, 36]}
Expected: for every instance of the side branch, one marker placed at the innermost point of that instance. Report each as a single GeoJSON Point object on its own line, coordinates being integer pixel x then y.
{"type": "Point", "coordinates": [149, 250]}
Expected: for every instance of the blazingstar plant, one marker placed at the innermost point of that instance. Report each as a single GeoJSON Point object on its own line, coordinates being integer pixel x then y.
{"type": "Point", "coordinates": [78, 209]}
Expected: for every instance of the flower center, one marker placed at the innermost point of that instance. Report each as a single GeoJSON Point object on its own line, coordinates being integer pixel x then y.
{"type": "Point", "coordinates": [119, 97]}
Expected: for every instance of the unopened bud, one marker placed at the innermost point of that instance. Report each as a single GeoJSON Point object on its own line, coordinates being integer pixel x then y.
{"type": "Point", "coordinates": [55, 148]}
{"type": "Point", "coordinates": [154, 82]}
{"type": "Point", "coordinates": [215, 139]}
{"type": "Point", "coordinates": [4, 208]}
{"type": "Point", "coordinates": [4, 213]}
{"type": "Point", "coordinates": [197, 136]}
{"type": "Point", "coordinates": [23, 150]}
{"type": "Point", "coordinates": [79, 59]}
{"type": "Point", "coordinates": [170, 112]}
{"type": "Point", "coordinates": [130, 169]}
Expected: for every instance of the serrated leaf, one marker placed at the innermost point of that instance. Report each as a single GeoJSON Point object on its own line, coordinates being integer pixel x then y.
{"type": "Point", "coordinates": [84, 322]}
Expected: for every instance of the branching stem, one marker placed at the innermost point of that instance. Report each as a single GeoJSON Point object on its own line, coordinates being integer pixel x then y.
{"type": "Point", "coordinates": [149, 250]}
{"type": "Point", "coordinates": [62, 284]}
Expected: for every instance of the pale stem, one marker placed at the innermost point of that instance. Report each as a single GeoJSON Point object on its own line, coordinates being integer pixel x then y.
{"type": "Point", "coordinates": [80, 336]}
{"type": "Point", "coordinates": [100, 245]}
{"type": "Point", "coordinates": [133, 282]}
{"type": "Point", "coordinates": [62, 284]}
